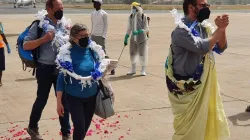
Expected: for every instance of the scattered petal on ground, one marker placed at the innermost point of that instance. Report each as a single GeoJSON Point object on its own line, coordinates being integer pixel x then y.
{"type": "Point", "coordinates": [102, 127]}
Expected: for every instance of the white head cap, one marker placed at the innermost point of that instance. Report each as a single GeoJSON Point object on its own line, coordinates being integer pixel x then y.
{"type": "Point", "coordinates": [100, 1]}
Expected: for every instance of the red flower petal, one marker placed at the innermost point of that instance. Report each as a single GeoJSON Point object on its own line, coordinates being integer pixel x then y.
{"type": "Point", "coordinates": [98, 126]}
{"type": "Point", "coordinates": [101, 121]}
{"type": "Point", "coordinates": [89, 134]}
{"type": "Point", "coordinates": [121, 137]}
{"type": "Point", "coordinates": [106, 132]}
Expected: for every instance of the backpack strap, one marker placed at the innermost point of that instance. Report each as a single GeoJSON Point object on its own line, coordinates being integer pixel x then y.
{"type": "Point", "coordinates": [35, 52]}
{"type": "Point", "coordinates": [39, 34]}
{"type": "Point", "coordinates": [142, 16]}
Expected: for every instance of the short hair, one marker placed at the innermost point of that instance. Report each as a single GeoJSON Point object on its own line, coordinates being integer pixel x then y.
{"type": "Point", "coordinates": [186, 3]}
{"type": "Point", "coordinates": [76, 28]}
{"type": "Point", "coordinates": [49, 4]}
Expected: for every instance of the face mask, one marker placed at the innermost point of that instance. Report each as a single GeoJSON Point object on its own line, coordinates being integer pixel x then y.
{"type": "Point", "coordinates": [58, 14]}
{"type": "Point", "coordinates": [84, 42]}
{"type": "Point", "coordinates": [134, 11]}
{"type": "Point", "coordinates": [203, 14]}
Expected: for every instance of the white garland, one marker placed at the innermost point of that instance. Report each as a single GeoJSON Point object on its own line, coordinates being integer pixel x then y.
{"type": "Point", "coordinates": [61, 34]}
{"type": "Point", "coordinates": [64, 55]}
{"type": "Point", "coordinates": [178, 20]}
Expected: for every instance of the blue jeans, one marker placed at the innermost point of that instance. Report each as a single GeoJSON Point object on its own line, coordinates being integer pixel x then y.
{"type": "Point", "coordinates": [46, 76]}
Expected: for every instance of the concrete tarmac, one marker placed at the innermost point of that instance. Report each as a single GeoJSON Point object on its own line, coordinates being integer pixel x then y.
{"type": "Point", "coordinates": [142, 105]}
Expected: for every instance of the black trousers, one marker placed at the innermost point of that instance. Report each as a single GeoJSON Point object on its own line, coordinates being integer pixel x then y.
{"type": "Point", "coordinates": [46, 77]}
{"type": "Point", "coordinates": [82, 111]}
{"type": "Point", "coordinates": [2, 59]}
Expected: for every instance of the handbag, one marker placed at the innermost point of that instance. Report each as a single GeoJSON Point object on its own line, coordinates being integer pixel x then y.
{"type": "Point", "coordinates": [104, 100]}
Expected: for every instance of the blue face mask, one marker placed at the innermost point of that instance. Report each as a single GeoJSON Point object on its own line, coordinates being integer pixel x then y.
{"type": "Point", "coordinates": [134, 11]}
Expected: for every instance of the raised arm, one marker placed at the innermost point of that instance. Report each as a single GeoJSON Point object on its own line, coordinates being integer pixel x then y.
{"type": "Point", "coordinates": [31, 41]}
{"type": "Point", "coordinates": [181, 38]}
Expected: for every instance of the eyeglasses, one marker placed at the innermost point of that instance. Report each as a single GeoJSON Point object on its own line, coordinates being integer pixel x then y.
{"type": "Point", "coordinates": [81, 36]}
{"type": "Point", "coordinates": [204, 5]}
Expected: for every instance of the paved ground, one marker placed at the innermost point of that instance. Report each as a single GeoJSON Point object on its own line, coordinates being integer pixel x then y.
{"type": "Point", "coordinates": [8, 9]}
{"type": "Point", "coordinates": [142, 105]}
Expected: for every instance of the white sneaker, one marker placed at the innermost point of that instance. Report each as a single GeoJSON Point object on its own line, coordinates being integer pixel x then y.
{"type": "Point", "coordinates": [143, 71]}
{"type": "Point", "coordinates": [131, 73]}
{"type": "Point", "coordinates": [132, 70]}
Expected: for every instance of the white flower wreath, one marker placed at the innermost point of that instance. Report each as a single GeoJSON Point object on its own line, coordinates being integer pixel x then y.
{"type": "Point", "coordinates": [61, 34]}
{"type": "Point", "coordinates": [64, 63]}
{"type": "Point", "coordinates": [178, 20]}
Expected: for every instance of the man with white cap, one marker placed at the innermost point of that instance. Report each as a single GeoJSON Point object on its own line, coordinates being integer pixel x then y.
{"type": "Point", "coordinates": [138, 25]}
{"type": "Point", "coordinates": [99, 20]}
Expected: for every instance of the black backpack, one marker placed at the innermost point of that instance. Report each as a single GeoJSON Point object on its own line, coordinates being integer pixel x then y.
{"type": "Point", "coordinates": [28, 57]}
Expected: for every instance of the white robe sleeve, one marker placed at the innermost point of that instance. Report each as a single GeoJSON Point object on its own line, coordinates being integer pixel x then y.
{"type": "Point", "coordinates": [129, 29]}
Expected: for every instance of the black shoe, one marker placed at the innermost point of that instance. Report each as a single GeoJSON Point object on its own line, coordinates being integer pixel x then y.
{"type": "Point", "coordinates": [112, 72]}
{"type": "Point", "coordinates": [248, 109]}
{"type": "Point", "coordinates": [34, 134]}
{"type": "Point", "coordinates": [68, 137]}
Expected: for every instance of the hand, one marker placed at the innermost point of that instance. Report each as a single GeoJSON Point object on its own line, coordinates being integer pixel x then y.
{"type": "Point", "coordinates": [137, 32]}
{"type": "Point", "coordinates": [48, 36]}
{"type": "Point", "coordinates": [8, 48]}
{"type": "Point", "coordinates": [218, 21]}
{"type": "Point", "coordinates": [225, 20]}
{"type": "Point", "coordinates": [126, 40]}
{"type": "Point", "coordinates": [60, 109]}
{"type": "Point", "coordinates": [222, 22]}
{"type": "Point", "coordinates": [125, 43]}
